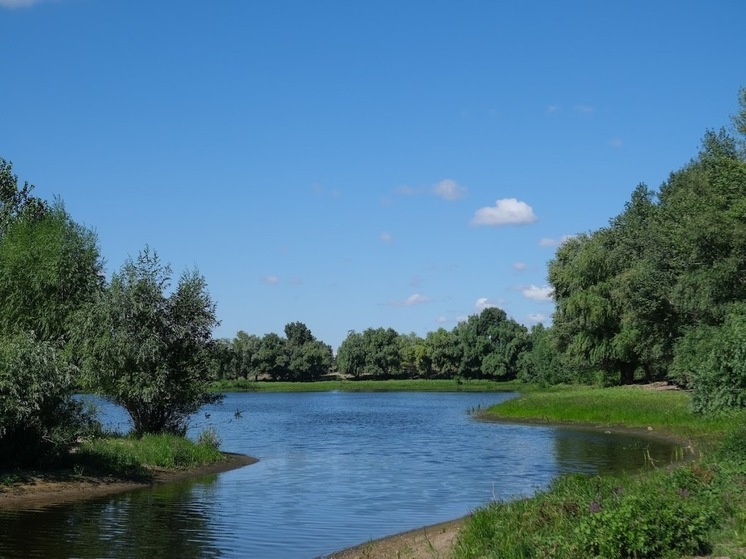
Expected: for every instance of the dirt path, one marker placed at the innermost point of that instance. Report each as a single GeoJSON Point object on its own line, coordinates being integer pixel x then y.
{"type": "Point", "coordinates": [44, 489]}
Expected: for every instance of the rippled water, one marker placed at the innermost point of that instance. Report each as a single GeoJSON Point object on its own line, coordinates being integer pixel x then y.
{"type": "Point", "coordinates": [336, 469]}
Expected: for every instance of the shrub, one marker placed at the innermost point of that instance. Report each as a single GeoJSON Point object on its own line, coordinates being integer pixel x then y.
{"type": "Point", "coordinates": [39, 419]}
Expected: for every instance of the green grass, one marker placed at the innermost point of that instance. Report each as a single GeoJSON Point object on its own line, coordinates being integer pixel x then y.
{"type": "Point", "coordinates": [131, 456]}
{"type": "Point", "coordinates": [425, 385]}
{"type": "Point", "coordinates": [633, 407]}
{"type": "Point", "coordinates": [693, 508]}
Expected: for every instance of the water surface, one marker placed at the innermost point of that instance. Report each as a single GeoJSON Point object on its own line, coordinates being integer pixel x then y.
{"type": "Point", "coordinates": [336, 469]}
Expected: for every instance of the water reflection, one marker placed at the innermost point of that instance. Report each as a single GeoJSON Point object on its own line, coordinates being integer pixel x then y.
{"type": "Point", "coordinates": [590, 452]}
{"type": "Point", "coordinates": [164, 522]}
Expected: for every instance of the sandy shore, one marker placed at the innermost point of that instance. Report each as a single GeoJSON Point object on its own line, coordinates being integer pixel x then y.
{"type": "Point", "coordinates": [41, 489]}
{"type": "Point", "coordinates": [429, 542]}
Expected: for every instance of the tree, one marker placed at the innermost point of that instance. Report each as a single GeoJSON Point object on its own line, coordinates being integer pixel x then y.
{"type": "Point", "coordinates": [39, 420]}
{"type": "Point", "coordinates": [351, 355]}
{"type": "Point", "coordinates": [491, 345]}
{"type": "Point", "coordinates": [308, 358]}
{"type": "Point", "coordinates": [272, 357]}
{"type": "Point", "coordinates": [16, 203]}
{"type": "Point", "coordinates": [444, 351]}
{"type": "Point", "coordinates": [148, 350]}
{"type": "Point", "coordinates": [49, 267]}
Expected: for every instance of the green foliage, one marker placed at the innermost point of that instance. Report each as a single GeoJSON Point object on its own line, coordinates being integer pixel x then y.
{"type": "Point", "coordinates": [542, 363]}
{"type": "Point", "coordinates": [635, 299]}
{"type": "Point", "coordinates": [39, 419]}
{"type": "Point", "coordinates": [148, 351]}
{"type": "Point", "coordinates": [653, 518]}
{"type": "Point", "coordinates": [374, 352]}
{"type": "Point", "coordinates": [49, 267]}
{"type": "Point", "coordinates": [209, 437]}
{"type": "Point", "coordinates": [16, 204]}
{"type": "Point", "coordinates": [308, 358]}
{"type": "Point", "coordinates": [713, 361]}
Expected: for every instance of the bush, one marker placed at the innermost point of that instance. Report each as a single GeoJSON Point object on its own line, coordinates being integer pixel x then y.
{"type": "Point", "coordinates": [39, 419]}
{"type": "Point", "coordinates": [209, 437]}
{"type": "Point", "coordinates": [713, 359]}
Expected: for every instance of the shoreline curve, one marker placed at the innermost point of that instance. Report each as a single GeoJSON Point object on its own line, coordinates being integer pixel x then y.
{"type": "Point", "coordinates": [46, 489]}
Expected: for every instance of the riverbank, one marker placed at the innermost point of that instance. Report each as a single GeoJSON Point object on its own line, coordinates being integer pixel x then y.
{"type": "Point", "coordinates": [38, 489]}
{"type": "Point", "coordinates": [369, 385]}
{"type": "Point", "coordinates": [567, 518]}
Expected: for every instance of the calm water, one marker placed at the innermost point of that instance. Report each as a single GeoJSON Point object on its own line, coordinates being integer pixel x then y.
{"type": "Point", "coordinates": [336, 469]}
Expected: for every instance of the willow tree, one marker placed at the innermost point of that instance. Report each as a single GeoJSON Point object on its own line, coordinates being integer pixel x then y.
{"type": "Point", "coordinates": [147, 348]}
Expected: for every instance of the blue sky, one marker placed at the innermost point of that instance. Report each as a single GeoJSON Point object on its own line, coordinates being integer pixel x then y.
{"type": "Point", "coordinates": [359, 164]}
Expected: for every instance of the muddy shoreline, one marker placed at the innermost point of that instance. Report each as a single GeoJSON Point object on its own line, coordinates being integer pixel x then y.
{"type": "Point", "coordinates": [42, 489]}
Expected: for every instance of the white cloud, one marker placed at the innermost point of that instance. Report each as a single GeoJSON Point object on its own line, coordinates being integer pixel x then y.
{"type": "Point", "coordinates": [553, 108]}
{"type": "Point", "coordinates": [547, 242]}
{"type": "Point", "coordinates": [387, 237]}
{"type": "Point", "coordinates": [271, 280]}
{"type": "Point", "coordinates": [507, 211]}
{"type": "Point", "coordinates": [449, 189]}
{"type": "Point", "coordinates": [414, 299]}
{"type": "Point", "coordinates": [616, 143]}
{"type": "Point", "coordinates": [537, 293]}
{"type": "Point", "coordinates": [520, 266]}
{"type": "Point", "coordinates": [441, 320]}
{"type": "Point", "coordinates": [484, 303]}
{"type": "Point", "coordinates": [585, 109]}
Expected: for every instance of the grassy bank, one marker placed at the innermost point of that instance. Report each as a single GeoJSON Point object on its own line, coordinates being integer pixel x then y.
{"type": "Point", "coordinates": [690, 509]}
{"type": "Point", "coordinates": [412, 385]}
{"type": "Point", "coordinates": [128, 457]}
{"type": "Point", "coordinates": [668, 411]}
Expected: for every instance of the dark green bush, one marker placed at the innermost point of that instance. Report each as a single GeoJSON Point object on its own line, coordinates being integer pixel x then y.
{"type": "Point", "coordinates": [39, 419]}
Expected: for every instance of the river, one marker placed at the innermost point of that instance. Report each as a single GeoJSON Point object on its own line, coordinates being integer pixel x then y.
{"type": "Point", "coordinates": [336, 469]}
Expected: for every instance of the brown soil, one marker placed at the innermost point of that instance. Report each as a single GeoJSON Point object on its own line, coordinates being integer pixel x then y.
{"type": "Point", "coordinates": [40, 489]}
{"type": "Point", "coordinates": [430, 542]}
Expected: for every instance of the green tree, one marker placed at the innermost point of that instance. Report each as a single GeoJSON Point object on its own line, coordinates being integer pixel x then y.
{"type": "Point", "coordinates": [246, 346]}
{"type": "Point", "coordinates": [543, 364]}
{"type": "Point", "coordinates": [16, 203]}
{"type": "Point", "coordinates": [308, 358]}
{"type": "Point", "coordinates": [39, 420]}
{"type": "Point", "coordinates": [148, 350]}
{"type": "Point", "coordinates": [49, 267]}
{"type": "Point", "coordinates": [272, 357]}
{"type": "Point", "coordinates": [382, 357]}
{"type": "Point", "coordinates": [491, 345]}
{"type": "Point", "coordinates": [350, 357]}
{"type": "Point", "coordinates": [444, 351]}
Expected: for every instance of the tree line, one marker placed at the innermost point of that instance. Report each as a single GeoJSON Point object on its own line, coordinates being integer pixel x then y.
{"type": "Point", "coordinates": [489, 345]}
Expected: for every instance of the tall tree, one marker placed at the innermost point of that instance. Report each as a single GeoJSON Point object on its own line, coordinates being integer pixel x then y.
{"type": "Point", "coordinates": [49, 267]}
{"type": "Point", "coordinates": [308, 358]}
{"type": "Point", "coordinates": [351, 355]}
{"type": "Point", "coordinates": [147, 349]}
